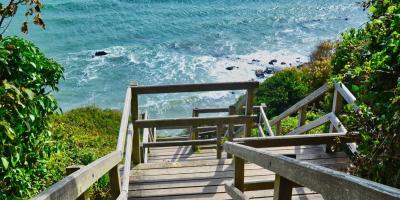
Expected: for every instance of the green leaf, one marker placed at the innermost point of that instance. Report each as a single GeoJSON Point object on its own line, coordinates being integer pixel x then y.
{"type": "Point", "coordinates": [5, 162]}
{"type": "Point", "coordinates": [372, 9]}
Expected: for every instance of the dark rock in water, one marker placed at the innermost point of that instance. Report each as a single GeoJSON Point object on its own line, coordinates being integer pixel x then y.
{"type": "Point", "coordinates": [232, 92]}
{"type": "Point", "coordinates": [100, 53]}
{"type": "Point", "coordinates": [283, 63]}
{"type": "Point", "coordinates": [259, 73]}
{"type": "Point", "coordinates": [273, 61]}
{"type": "Point", "coordinates": [269, 70]}
{"type": "Point", "coordinates": [231, 67]}
{"type": "Point", "coordinates": [346, 18]}
{"type": "Point", "coordinates": [298, 58]}
{"type": "Point", "coordinates": [255, 60]}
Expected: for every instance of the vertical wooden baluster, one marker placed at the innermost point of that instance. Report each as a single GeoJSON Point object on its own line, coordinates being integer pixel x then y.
{"type": "Point", "coordinates": [115, 182]}
{"type": "Point", "coordinates": [278, 128]}
{"type": "Point", "coordinates": [195, 132]}
{"type": "Point", "coordinates": [249, 110]}
{"type": "Point", "coordinates": [231, 128]}
{"type": "Point", "coordinates": [302, 116]}
{"type": "Point", "coordinates": [282, 188]}
{"type": "Point", "coordinates": [136, 132]}
{"type": "Point", "coordinates": [239, 173]}
{"type": "Point", "coordinates": [220, 133]}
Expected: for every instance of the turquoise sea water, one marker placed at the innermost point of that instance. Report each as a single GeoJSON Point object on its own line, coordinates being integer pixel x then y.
{"type": "Point", "coordinates": [179, 41]}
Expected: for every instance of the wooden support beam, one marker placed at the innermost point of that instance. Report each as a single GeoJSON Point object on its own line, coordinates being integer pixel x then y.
{"type": "Point", "coordinates": [154, 89]}
{"type": "Point", "coordinates": [180, 143]}
{"type": "Point", "coordinates": [336, 108]}
{"type": "Point", "coordinates": [198, 121]}
{"type": "Point", "coordinates": [262, 185]}
{"type": "Point", "coordinates": [239, 173]}
{"type": "Point", "coordinates": [297, 140]}
{"type": "Point", "coordinates": [136, 157]}
{"type": "Point", "coordinates": [220, 133]}
{"type": "Point", "coordinates": [311, 125]}
{"type": "Point", "coordinates": [282, 188]}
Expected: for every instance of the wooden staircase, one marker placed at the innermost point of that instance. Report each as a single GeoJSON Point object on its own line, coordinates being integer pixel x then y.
{"type": "Point", "coordinates": [273, 165]}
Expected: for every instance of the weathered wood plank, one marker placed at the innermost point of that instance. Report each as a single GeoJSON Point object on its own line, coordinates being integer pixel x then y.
{"type": "Point", "coordinates": [328, 182]}
{"type": "Point", "coordinates": [239, 173]}
{"type": "Point", "coordinates": [153, 89]}
{"type": "Point", "coordinates": [198, 121]}
{"type": "Point", "coordinates": [311, 125]}
{"type": "Point", "coordinates": [78, 182]}
{"type": "Point", "coordinates": [307, 100]}
{"type": "Point", "coordinates": [282, 188]}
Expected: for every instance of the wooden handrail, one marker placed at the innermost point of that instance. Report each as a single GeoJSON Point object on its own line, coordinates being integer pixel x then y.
{"type": "Point", "coordinates": [296, 140]}
{"type": "Point", "coordinates": [124, 121]}
{"type": "Point", "coordinates": [307, 100]}
{"type": "Point", "coordinates": [180, 143]}
{"type": "Point", "coordinates": [154, 89]}
{"type": "Point", "coordinates": [195, 121]}
{"type": "Point", "coordinates": [329, 183]}
{"type": "Point", "coordinates": [263, 116]}
{"type": "Point", "coordinates": [78, 182]}
{"type": "Point", "coordinates": [127, 165]}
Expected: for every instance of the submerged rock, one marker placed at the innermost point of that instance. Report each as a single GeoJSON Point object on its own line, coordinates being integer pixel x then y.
{"type": "Point", "coordinates": [273, 61]}
{"type": "Point", "coordinates": [100, 53]}
{"type": "Point", "coordinates": [283, 63]}
{"type": "Point", "coordinates": [260, 73]}
{"type": "Point", "coordinates": [255, 60]}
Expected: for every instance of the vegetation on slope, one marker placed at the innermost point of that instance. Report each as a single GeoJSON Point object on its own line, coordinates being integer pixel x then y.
{"type": "Point", "coordinates": [84, 135]}
{"type": "Point", "coordinates": [368, 60]}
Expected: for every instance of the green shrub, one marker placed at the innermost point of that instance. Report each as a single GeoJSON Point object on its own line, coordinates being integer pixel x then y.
{"type": "Point", "coordinates": [84, 135]}
{"type": "Point", "coordinates": [282, 90]}
{"type": "Point", "coordinates": [27, 79]}
{"type": "Point", "coordinates": [367, 61]}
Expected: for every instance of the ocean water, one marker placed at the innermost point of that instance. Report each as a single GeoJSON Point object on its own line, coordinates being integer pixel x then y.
{"type": "Point", "coordinates": [179, 41]}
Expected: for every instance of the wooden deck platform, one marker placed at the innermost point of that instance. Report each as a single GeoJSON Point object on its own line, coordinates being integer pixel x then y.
{"type": "Point", "coordinates": [180, 173]}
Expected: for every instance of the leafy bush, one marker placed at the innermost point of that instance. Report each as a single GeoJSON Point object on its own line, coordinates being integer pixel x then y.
{"type": "Point", "coordinates": [84, 135]}
{"type": "Point", "coordinates": [27, 80]}
{"type": "Point", "coordinates": [282, 90]}
{"type": "Point", "coordinates": [367, 59]}
{"type": "Point", "coordinates": [319, 69]}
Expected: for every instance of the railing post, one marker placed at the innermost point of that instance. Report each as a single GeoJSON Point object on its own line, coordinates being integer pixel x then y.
{"type": "Point", "coordinates": [220, 133]}
{"type": "Point", "coordinates": [195, 132]}
{"type": "Point", "coordinates": [282, 188]}
{"type": "Point", "coordinates": [278, 128]}
{"type": "Point", "coordinates": [136, 132]}
{"type": "Point", "coordinates": [302, 116]}
{"type": "Point", "coordinates": [249, 110]}
{"type": "Point", "coordinates": [336, 108]}
{"type": "Point", "coordinates": [115, 182]}
{"type": "Point", "coordinates": [239, 173]}
{"type": "Point", "coordinates": [231, 128]}
{"type": "Point", "coordinates": [72, 169]}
